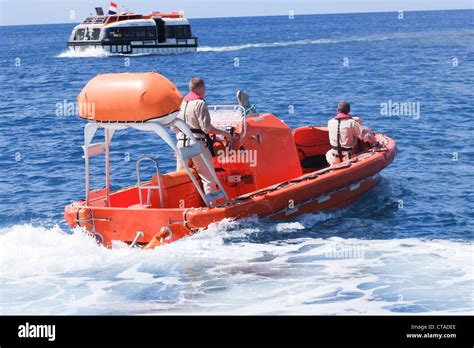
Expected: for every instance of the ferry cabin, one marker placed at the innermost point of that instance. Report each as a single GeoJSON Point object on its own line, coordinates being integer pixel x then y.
{"type": "Point", "coordinates": [135, 34]}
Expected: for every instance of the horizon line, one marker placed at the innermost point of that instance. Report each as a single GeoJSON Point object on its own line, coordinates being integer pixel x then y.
{"type": "Point", "coordinates": [285, 15]}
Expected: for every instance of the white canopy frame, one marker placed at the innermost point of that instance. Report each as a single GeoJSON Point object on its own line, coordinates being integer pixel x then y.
{"type": "Point", "coordinates": [157, 126]}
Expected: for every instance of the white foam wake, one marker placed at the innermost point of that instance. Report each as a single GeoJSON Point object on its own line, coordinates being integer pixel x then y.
{"type": "Point", "coordinates": [369, 38]}
{"type": "Point", "coordinates": [89, 52]}
{"type": "Point", "coordinates": [264, 45]}
{"type": "Point", "coordinates": [221, 271]}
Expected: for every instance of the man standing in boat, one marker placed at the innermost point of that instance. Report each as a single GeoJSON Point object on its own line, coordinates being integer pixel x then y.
{"type": "Point", "coordinates": [344, 131]}
{"type": "Point", "coordinates": [195, 113]}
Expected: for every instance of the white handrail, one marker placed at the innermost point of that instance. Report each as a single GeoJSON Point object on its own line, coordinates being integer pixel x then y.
{"type": "Point", "coordinates": [158, 127]}
{"type": "Point", "coordinates": [150, 187]}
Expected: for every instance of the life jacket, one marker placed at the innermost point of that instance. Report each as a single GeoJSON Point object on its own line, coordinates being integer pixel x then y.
{"type": "Point", "coordinates": [192, 96]}
{"type": "Point", "coordinates": [341, 116]}
{"type": "Point", "coordinates": [209, 142]}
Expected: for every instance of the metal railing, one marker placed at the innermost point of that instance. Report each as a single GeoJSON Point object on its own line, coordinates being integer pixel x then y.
{"type": "Point", "coordinates": [149, 187]}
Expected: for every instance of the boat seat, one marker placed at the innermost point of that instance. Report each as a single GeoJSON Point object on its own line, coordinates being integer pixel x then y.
{"type": "Point", "coordinates": [173, 179]}
{"type": "Point", "coordinates": [311, 141]}
{"type": "Point", "coordinates": [318, 161]}
{"type": "Point", "coordinates": [177, 186]}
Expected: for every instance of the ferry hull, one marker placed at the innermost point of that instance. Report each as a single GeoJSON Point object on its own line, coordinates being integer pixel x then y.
{"type": "Point", "coordinates": [132, 50]}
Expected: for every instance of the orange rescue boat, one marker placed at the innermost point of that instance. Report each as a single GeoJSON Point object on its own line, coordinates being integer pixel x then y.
{"type": "Point", "coordinates": [266, 170]}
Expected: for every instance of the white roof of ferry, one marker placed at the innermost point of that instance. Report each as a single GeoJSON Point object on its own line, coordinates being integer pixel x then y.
{"type": "Point", "coordinates": [147, 22]}
{"type": "Point", "coordinates": [175, 21]}
{"type": "Point", "coordinates": [133, 23]}
{"type": "Point", "coordinates": [136, 22]}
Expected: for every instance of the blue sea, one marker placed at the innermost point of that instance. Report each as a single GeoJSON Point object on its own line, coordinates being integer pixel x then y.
{"type": "Point", "coordinates": [405, 247]}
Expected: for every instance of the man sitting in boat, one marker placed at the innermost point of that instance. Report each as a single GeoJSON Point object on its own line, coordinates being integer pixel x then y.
{"type": "Point", "coordinates": [344, 131]}
{"type": "Point", "coordinates": [195, 113]}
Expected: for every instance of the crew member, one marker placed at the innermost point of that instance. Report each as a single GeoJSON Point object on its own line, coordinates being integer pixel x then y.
{"type": "Point", "coordinates": [343, 134]}
{"type": "Point", "coordinates": [195, 113]}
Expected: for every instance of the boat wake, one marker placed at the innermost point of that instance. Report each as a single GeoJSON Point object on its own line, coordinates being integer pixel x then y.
{"type": "Point", "coordinates": [89, 52]}
{"type": "Point", "coordinates": [369, 38]}
{"type": "Point", "coordinates": [264, 45]}
{"type": "Point", "coordinates": [101, 53]}
{"type": "Point", "coordinates": [288, 43]}
{"type": "Point", "coordinates": [230, 268]}
{"type": "Point", "coordinates": [96, 53]}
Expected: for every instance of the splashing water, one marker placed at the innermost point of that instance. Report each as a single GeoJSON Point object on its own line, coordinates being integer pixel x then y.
{"type": "Point", "coordinates": [92, 52]}
{"type": "Point", "coordinates": [89, 52]}
{"type": "Point", "coordinates": [212, 272]}
{"type": "Point", "coordinates": [404, 248]}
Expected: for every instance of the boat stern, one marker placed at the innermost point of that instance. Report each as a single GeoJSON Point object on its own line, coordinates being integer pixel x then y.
{"type": "Point", "coordinates": [135, 225]}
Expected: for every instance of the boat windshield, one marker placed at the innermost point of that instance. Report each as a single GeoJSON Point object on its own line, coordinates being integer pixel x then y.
{"type": "Point", "coordinates": [86, 34]}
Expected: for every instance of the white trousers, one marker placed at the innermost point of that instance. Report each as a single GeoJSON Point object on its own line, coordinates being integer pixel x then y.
{"type": "Point", "coordinates": [203, 171]}
{"type": "Point", "coordinates": [332, 157]}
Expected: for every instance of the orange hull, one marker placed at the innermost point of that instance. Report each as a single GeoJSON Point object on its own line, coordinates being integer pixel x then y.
{"type": "Point", "coordinates": [285, 188]}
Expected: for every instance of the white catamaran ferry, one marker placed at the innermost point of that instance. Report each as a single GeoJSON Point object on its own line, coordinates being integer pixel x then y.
{"type": "Point", "coordinates": [131, 33]}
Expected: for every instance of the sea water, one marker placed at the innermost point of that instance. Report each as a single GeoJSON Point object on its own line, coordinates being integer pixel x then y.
{"type": "Point", "coordinates": [405, 247]}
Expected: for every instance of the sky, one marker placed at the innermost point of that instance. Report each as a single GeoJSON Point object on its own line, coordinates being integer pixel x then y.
{"type": "Point", "coordinates": [15, 12]}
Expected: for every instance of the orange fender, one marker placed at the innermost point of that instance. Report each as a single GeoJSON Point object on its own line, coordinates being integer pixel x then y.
{"type": "Point", "coordinates": [158, 239]}
{"type": "Point", "coordinates": [77, 216]}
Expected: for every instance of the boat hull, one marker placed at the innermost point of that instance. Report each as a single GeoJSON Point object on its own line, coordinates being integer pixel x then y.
{"type": "Point", "coordinates": [326, 189]}
{"type": "Point", "coordinates": [128, 48]}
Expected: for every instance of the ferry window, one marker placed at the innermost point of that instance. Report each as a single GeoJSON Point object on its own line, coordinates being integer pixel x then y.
{"type": "Point", "coordinates": [187, 31]}
{"type": "Point", "coordinates": [95, 34]}
{"type": "Point", "coordinates": [79, 35]}
{"type": "Point", "coordinates": [132, 33]}
{"type": "Point", "coordinates": [179, 32]}
{"type": "Point", "coordinates": [114, 32]}
{"type": "Point", "coordinates": [140, 32]}
{"type": "Point", "coordinates": [128, 32]}
{"type": "Point", "coordinates": [99, 20]}
{"type": "Point", "coordinates": [170, 31]}
{"type": "Point", "coordinates": [112, 19]}
{"type": "Point", "coordinates": [151, 32]}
